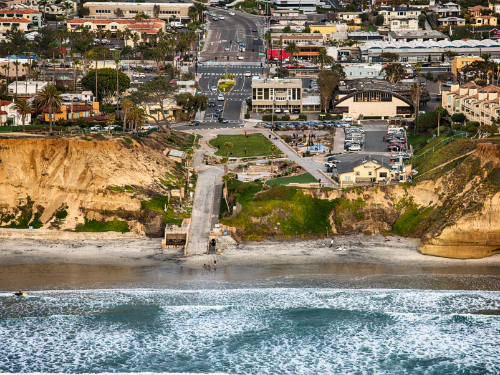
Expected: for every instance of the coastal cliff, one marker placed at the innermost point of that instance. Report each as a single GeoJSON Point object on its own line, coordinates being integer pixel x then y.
{"type": "Point", "coordinates": [455, 214]}
{"type": "Point", "coordinates": [63, 183]}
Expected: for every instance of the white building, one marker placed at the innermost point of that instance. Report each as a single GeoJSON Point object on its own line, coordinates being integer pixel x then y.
{"type": "Point", "coordinates": [405, 12]}
{"type": "Point", "coordinates": [26, 89]}
{"type": "Point", "coordinates": [7, 112]}
{"type": "Point", "coordinates": [307, 6]}
{"type": "Point", "coordinates": [405, 24]}
{"type": "Point", "coordinates": [357, 71]}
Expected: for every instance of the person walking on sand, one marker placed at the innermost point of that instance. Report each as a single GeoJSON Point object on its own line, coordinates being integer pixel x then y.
{"type": "Point", "coordinates": [331, 243]}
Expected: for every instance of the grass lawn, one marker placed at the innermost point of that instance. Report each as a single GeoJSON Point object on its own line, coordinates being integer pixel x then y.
{"type": "Point", "coordinates": [368, 27]}
{"type": "Point", "coordinates": [444, 154]}
{"type": "Point", "coordinates": [415, 141]}
{"type": "Point", "coordinates": [255, 144]}
{"type": "Point", "coordinates": [8, 129]}
{"type": "Point", "coordinates": [304, 178]}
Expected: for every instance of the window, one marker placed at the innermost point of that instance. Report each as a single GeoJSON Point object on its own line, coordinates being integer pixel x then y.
{"type": "Point", "coordinates": [114, 27]}
{"type": "Point", "coordinates": [165, 112]}
{"type": "Point", "coordinates": [153, 112]}
{"type": "Point", "coordinates": [357, 173]}
{"type": "Point", "coordinates": [369, 173]}
{"type": "Point", "coordinates": [347, 178]}
{"type": "Point", "coordinates": [383, 174]}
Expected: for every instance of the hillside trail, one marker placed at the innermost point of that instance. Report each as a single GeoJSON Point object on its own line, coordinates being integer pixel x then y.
{"type": "Point", "coordinates": [448, 162]}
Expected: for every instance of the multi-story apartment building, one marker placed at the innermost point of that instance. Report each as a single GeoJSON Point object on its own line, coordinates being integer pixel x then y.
{"type": "Point", "coordinates": [460, 62]}
{"type": "Point", "coordinates": [406, 12]}
{"type": "Point", "coordinates": [163, 11]}
{"type": "Point", "coordinates": [477, 103]}
{"type": "Point", "coordinates": [277, 95]}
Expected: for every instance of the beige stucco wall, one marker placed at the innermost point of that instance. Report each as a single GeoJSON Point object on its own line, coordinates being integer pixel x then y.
{"type": "Point", "coordinates": [385, 109]}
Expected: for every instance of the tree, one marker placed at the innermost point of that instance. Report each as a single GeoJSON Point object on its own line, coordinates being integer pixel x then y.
{"type": "Point", "coordinates": [323, 58]}
{"type": "Point", "coordinates": [307, 30]}
{"type": "Point", "coordinates": [379, 20]}
{"type": "Point", "coordinates": [393, 73]}
{"type": "Point", "coordinates": [292, 49]}
{"type": "Point", "coordinates": [84, 12]}
{"type": "Point", "coordinates": [67, 6]}
{"type": "Point", "coordinates": [126, 107]}
{"type": "Point", "coordinates": [17, 38]}
{"type": "Point", "coordinates": [458, 117]}
{"type": "Point", "coordinates": [416, 93]}
{"type": "Point", "coordinates": [192, 103]}
{"type": "Point", "coordinates": [274, 150]}
{"type": "Point", "coordinates": [351, 8]}
{"type": "Point", "coordinates": [227, 178]}
{"type": "Point", "coordinates": [23, 108]}
{"type": "Point", "coordinates": [43, 4]}
{"type": "Point", "coordinates": [439, 110]}
{"type": "Point", "coordinates": [339, 69]}
{"type": "Point", "coordinates": [389, 56]}
{"type": "Point", "coordinates": [137, 117]}
{"type": "Point", "coordinates": [327, 81]}
{"type": "Point", "coordinates": [106, 86]}
{"type": "Point", "coordinates": [228, 146]}
{"type": "Point", "coordinates": [287, 29]}
{"type": "Point", "coordinates": [156, 10]}
{"type": "Point", "coordinates": [282, 72]}
{"type": "Point", "coordinates": [440, 79]}
{"type": "Point", "coordinates": [155, 97]}
{"type": "Point", "coordinates": [51, 98]}
{"type": "Point", "coordinates": [478, 69]}
{"type": "Point", "coordinates": [119, 13]}
{"type": "Point", "coordinates": [461, 33]}
{"type": "Point", "coordinates": [429, 77]}
{"type": "Point", "coordinates": [141, 16]}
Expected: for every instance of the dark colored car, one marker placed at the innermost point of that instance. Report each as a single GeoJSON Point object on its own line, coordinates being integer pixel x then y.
{"type": "Point", "coordinates": [219, 107]}
{"type": "Point", "coordinates": [223, 119]}
{"type": "Point", "coordinates": [333, 159]}
{"type": "Point", "coordinates": [218, 113]}
{"type": "Point", "coordinates": [211, 103]}
{"type": "Point", "coordinates": [194, 123]}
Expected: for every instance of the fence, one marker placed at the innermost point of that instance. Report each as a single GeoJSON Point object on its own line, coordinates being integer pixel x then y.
{"type": "Point", "coordinates": [444, 142]}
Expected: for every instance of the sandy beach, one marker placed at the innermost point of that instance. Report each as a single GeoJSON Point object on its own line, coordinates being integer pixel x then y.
{"type": "Point", "coordinates": [376, 249]}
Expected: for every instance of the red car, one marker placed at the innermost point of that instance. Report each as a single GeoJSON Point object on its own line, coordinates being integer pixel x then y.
{"type": "Point", "coordinates": [173, 82]}
{"type": "Point", "coordinates": [161, 68]}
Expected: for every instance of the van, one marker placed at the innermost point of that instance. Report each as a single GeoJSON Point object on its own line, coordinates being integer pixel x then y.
{"type": "Point", "coordinates": [177, 25]}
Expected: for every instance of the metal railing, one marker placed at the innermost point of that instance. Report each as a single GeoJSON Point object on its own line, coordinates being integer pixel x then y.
{"type": "Point", "coordinates": [444, 142]}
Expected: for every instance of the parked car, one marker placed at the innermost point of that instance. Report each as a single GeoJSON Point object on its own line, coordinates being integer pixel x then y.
{"type": "Point", "coordinates": [330, 165]}
{"type": "Point", "coordinates": [194, 123]}
{"type": "Point", "coordinates": [142, 75]}
{"type": "Point", "coordinates": [135, 75]}
{"type": "Point", "coordinates": [333, 159]}
{"type": "Point", "coordinates": [231, 13]}
{"type": "Point", "coordinates": [220, 97]}
{"type": "Point", "coordinates": [223, 120]}
{"type": "Point", "coordinates": [95, 128]}
{"type": "Point", "coordinates": [355, 147]}
{"type": "Point", "coordinates": [447, 83]}
{"type": "Point", "coordinates": [226, 48]}
{"type": "Point", "coordinates": [349, 119]}
{"type": "Point", "coordinates": [239, 57]}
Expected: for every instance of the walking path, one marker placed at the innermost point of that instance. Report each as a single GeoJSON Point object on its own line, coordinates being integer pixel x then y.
{"type": "Point", "coordinates": [448, 162]}
{"type": "Point", "coordinates": [205, 212]}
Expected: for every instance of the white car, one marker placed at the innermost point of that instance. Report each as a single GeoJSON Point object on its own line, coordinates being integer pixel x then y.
{"type": "Point", "coordinates": [231, 13]}
{"type": "Point", "coordinates": [354, 147]}
{"type": "Point", "coordinates": [95, 128]}
{"type": "Point", "coordinates": [348, 119]}
{"type": "Point", "coordinates": [448, 83]}
{"type": "Point", "coordinates": [445, 64]}
{"type": "Point", "coordinates": [239, 57]}
{"type": "Point", "coordinates": [213, 88]}
{"type": "Point", "coordinates": [142, 75]}
{"type": "Point", "coordinates": [221, 17]}
{"type": "Point", "coordinates": [220, 97]}
{"type": "Point", "coordinates": [248, 73]}
{"type": "Point", "coordinates": [135, 75]}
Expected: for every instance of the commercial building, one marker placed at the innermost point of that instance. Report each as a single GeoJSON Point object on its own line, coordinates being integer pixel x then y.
{"type": "Point", "coordinates": [329, 27]}
{"type": "Point", "coordinates": [460, 62]}
{"type": "Point", "coordinates": [164, 11]}
{"type": "Point", "coordinates": [420, 51]}
{"type": "Point", "coordinates": [364, 36]}
{"type": "Point", "coordinates": [359, 71]}
{"type": "Point", "coordinates": [391, 13]}
{"type": "Point", "coordinates": [306, 6]}
{"type": "Point", "coordinates": [404, 24]}
{"type": "Point", "coordinates": [477, 103]}
{"type": "Point", "coordinates": [418, 36]}
{"type": "Point", "coordinates": [277, 95]}
{"type": "Point", "coordinates": [278, 38]}
{"type": "Point", "coordinates": [150, 26]}
{"type": "Point", "coordinates": [374, 98]}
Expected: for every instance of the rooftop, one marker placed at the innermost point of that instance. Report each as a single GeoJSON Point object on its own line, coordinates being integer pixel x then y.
{"type": "Point", "coordinates": [276, 81]}
{"type": "Point", "coordinates": [348, 165]}
{"type": "Point", "coordinates": [400, 9]}
{"type": "Point", "coordinates": [442, 44]}
{"type": "Point", "coordinates": [144, 5]}
{"type": "Point", "coordinates": [418, 34]}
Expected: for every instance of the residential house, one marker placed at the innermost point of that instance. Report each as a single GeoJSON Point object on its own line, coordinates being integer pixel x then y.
{"type": "Point", "coordinates": [451, 21]}
{"type": "Point", "coordinates": [405, 12]}
{"type": "Point", "coordinates": [74, 112]}
{"type": "Point", "coordinates": [9, 115]}
{"type": "Point", "coordinates": [485, 20]}
{"type": "Point", "coordinates": [404, 24]}
{"type": "Point", "coordinates": [371, 170]}
{"type": "Point", "coordinates": [495, 8]}
{"type": "Point", "coordinates": [460, 62]}
{"type": "Point", "coordinates": [477, 103]}
{"type": "Point", "coordinates": [350, 17]}
{"type": "Point", "coordinates": [448, 12]}
{"type": "Point", "coordinates": [476, 10]}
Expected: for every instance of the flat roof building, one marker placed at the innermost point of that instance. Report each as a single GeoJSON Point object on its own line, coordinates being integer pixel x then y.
{"type": "Point", "coordinates": [130, 10]}
{"type": "Point", "coordinates": [277, 95]}
{"type": "Point", "coordinates": [419, 36]}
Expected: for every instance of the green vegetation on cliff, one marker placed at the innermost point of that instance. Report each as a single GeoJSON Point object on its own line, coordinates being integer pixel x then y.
{"type": "Point", "coordinates": [298, 214]}
{"type": "Point", "coordinates": [303, 178]}
{"type": "Point", "coordinates": [105, 226]}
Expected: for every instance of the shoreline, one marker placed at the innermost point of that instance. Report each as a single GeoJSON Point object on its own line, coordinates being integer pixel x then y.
{"type": "Point", "coordinates": [140, 252]}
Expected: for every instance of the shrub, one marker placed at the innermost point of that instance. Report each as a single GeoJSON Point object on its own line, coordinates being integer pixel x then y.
{"type": "Point", "coordinates": [247, 116]}
{"type": "Point", "coordinates": [472, 123]}
{"type": "Point", "coordinates": [285, 118]}
{"type": "Point", "coordinates": [471, 128]}
{"type": "Point", "coordinates": [456, 126]}
{"type": "Point", "coordinates": [269, 118]}
{"type": "Point", "coordinates": [302, 117]}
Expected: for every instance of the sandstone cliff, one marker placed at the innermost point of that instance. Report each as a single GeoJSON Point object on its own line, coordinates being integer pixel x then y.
{"type": "Point", "coordinates": [85, 179]}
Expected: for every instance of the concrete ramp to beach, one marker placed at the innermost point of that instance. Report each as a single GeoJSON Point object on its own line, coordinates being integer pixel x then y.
{"type": "Point", "coordinates": [206, 204]}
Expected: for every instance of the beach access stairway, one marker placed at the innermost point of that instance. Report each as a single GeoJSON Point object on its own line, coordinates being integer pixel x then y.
{"type": "Point", "coordinates": [205, 213]}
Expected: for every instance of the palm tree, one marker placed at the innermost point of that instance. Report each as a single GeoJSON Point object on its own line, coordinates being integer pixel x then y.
{"type": "Point", "coordinates": [6, 67]}
{"type": "Point", "coordinates": [67, 6]}
{"type": "Point", "coordinates": [227, 178]}
{"type": "Point", "coordinates": [51, 98]}
{"type": "Point", "coordinates": [416, 92]}
{"type": "Point", "coordinates": [323, 58]}
{"type": "Point", "coordinates": [117, 62]}
{"type": "Point", "coordinates": [110, 119]}
{"type": "Point", "coordinates": [268, 37]}
{"type": "Point", "coordinates": [23, 108]}
{"type": "Point", "coordinates": [439, 110]}
{"type": "Point", "coordinates": [274, 150]}
{"type": "Point", "coordinates": [418, 68]}
{"type": "Point", "coordinates": [292, 49]}
{"type": "Point", "coordinates": [126, 107]}
{"type": "Point", "coordinates": [228, 146]}
{"type": "Point", "coordinates": [137, 115]}
{"type": "Point", "coordinates": [16, 64]}
{"type": "Point", "coordinates": [43, 4]}
{"type": "Point", "coordinates": [27, 66]}
{"type": "Point", "coordinates": [94, 56]}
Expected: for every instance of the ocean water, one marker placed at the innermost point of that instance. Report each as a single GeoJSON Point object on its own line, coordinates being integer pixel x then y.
{"type": "Point", "coordinates": [259, 327]}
